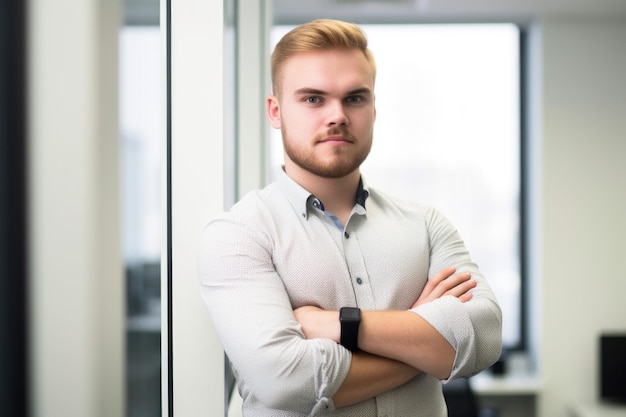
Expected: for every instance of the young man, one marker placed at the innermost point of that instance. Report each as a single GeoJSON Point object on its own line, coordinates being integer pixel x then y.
{"type": "Point", "coordinates": [332, 298]}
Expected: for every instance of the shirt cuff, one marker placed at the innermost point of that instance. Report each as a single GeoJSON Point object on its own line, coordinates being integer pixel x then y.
{"type": "Point", "coordinates": [448, 316]}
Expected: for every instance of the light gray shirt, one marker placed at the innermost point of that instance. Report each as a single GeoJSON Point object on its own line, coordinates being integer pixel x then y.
{"type": "Point", "coordinates": [277, 250]}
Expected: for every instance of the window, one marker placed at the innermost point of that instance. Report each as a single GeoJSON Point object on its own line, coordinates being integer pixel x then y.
{"type": "Point", "coordinates": [448, 133]}
{"type": "Point", "coordinates": [140, 121]}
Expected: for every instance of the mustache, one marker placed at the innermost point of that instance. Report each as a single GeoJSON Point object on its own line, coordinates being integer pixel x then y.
{"type": "Point", "coordinates": [336, 131]}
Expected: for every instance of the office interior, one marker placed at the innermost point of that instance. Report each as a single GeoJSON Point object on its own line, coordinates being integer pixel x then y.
{"type": "Point", "coordinates": [65, 296]}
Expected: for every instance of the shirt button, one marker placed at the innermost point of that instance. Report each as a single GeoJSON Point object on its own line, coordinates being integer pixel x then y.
{"type": "Point", "coordinates": [347, 235]}
{"type": "Point", "coordinates": [359, 281]}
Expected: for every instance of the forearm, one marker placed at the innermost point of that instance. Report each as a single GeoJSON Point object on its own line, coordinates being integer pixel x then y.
{"type": "Point", "coordinates": [406, 337]}
{"type": "Point", "coordinates": [400, 335]}
{"type": "Point", "coordinates": [371, 375]}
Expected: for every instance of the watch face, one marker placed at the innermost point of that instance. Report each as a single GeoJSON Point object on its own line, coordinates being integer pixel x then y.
{"type": "Point", "coordinates": [350, 313]}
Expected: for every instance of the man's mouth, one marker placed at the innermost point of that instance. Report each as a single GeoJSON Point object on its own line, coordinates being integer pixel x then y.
{"type": "Point", "coordinates": [334, 137]}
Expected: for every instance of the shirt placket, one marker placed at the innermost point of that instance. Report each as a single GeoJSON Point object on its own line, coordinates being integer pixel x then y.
{"type": "Point", "coordinates": [365, 300]}
{"type": "Point", "coordinates": [359, 276]}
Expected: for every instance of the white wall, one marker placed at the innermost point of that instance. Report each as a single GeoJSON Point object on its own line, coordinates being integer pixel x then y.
{"type": "Point", "coordinates": [253, 26]}
{"type": "Point", "coordinates": [76, 283]}
{"type": "Point", "coordinates": [197, 180]}
{"type": "Point", "coordinates": [583, 143]}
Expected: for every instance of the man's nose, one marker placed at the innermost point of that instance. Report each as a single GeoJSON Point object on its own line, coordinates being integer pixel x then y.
{"type": "Point", "coordinates": [336, 114]}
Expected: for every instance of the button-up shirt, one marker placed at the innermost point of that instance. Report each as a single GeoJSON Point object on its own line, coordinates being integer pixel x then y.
{"type": "Point", "coordinates": [277, 250]}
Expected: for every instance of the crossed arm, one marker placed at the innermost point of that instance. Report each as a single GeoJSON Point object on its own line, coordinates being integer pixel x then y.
{"type": "Point", "coordinates": [395, 345]}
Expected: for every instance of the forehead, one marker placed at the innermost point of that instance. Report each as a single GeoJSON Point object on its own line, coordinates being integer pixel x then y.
{"type": "Point", "coordinates": [327, 70]}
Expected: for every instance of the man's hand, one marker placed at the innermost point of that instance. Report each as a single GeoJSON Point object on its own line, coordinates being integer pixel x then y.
{"type": "Point", "coordinates": [319, 324]}
{"type": "Point", "coordinates": [446, 282]}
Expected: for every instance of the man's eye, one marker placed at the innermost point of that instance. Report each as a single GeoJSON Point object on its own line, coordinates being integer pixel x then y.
{"type": "Point", "coordinates": [354, 99]}
{"type": "Point", "coordinates": [312, 100]}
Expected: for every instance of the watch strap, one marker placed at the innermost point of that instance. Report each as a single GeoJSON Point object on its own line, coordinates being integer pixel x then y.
{"type": "Point", "coordinates": [350, 318]}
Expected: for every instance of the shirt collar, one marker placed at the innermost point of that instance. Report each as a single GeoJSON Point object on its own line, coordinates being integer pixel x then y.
{"type": "Point", "coordinates": [362, 193]}
{"type": "Point", "coordinates": [300, 198]}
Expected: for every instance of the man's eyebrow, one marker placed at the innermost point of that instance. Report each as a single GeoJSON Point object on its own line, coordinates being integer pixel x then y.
{"type": "Point", "coordinates": [307, 90]}
{"type": "Point", "coordinates": [362, 90]}
{"type": "Point", "coordinates": [314, 91]}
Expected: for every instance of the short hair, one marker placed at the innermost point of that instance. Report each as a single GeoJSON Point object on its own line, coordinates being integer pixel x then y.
{"type": "Point", "coordinates": [320, 34]}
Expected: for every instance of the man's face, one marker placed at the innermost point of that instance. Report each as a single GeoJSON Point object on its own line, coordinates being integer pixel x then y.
{"type": "Point", "coordinates": [325, 111]}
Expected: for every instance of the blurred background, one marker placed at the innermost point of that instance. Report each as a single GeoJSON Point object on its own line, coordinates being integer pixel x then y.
{"type": "Point", "coordinates": [125, 125]}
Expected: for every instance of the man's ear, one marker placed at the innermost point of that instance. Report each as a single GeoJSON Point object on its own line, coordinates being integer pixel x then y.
{"type": "Point", "coordinates": [273, 111]}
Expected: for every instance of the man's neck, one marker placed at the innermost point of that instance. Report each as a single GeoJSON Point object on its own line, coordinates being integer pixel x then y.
{"type": "Point", "coordinates": [337, 194]}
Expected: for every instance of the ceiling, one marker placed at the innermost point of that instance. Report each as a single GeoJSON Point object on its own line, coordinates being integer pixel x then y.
{"type": "Point", "coordinates": [389, 11]}
{"type": "Point", "coordinates": [146, 12]}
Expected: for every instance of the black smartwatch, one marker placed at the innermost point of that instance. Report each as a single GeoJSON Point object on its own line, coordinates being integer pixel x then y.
{"type": "Point", "coordinates": [350, 319]}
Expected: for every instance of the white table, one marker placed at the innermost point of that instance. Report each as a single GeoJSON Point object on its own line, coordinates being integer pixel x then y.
{"type": "Point", "coordinates": [598, 410]}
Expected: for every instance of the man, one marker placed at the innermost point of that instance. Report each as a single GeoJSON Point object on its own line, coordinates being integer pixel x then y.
{"type": "Point", "coordinates": [332, 298]}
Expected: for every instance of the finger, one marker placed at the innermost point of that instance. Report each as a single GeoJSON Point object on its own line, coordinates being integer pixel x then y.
{"type": "Point", "coordinates": [443, 274]}
{"type": "Point", "coordinates": [465, 297]}
{"type": "Point", "coordinates": [453, 281]}
{"type": "Point", "coordinates": [462, 288]}
{"type": "Point", "coordinates": [438, 278]}
{"type": "Point", "coordinates": [436, 286]}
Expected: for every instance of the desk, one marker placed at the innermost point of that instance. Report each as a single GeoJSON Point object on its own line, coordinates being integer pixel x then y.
{"type": "Point", "coordinates": [487, 384]}
{"type": "Point", "coordinates": [598, 410]}
{"type": "Point", "coordinates": [509, 395]}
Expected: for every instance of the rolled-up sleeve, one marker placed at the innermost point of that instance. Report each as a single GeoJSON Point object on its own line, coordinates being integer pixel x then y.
{"type": "Point", "coordinates": [254, 319]}
{"type": "Point", "coordinates": [473, 328]}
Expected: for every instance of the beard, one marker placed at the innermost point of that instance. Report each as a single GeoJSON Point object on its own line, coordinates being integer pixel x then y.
{"type": "Point", "coordinates": [345, 159]}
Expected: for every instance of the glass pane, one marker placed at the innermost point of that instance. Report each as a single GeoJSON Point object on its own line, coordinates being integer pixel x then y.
{"type": "Point", "coordinates": [140, 107]}
{"type": "Point", "coordinates": [448, 133]}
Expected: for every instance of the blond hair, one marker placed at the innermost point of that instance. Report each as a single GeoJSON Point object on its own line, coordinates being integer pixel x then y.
{"type": "Point", "coordinates": [321, 34]}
